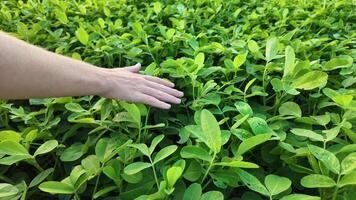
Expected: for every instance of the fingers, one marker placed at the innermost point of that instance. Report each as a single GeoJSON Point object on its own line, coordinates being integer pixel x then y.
{"type": "Point", "coordinates": [164, 89]}
{"type": "Point", "coordinates": [134, 69]}
{"type": "Point", "coordinates": [162, 96]}
{"type": "Point", "coordinates": [159, 81]}
{"type": "Point", "coordinates": [152, 101]}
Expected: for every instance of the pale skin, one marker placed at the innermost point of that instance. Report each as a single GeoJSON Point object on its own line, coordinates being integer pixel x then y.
{"type": "Point", "coordinates": [27, 71]}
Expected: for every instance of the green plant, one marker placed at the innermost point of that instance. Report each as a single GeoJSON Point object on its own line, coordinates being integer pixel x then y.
{"type": "Point", "coordinates": [269, 110]}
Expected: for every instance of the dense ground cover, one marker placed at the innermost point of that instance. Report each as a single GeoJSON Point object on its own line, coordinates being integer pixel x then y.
{"type": "Point", "coordinates": [269, 110]}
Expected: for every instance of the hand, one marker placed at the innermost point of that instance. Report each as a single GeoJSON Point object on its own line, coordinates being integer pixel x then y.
{"type": "Point", "coordinates": [127, 84]}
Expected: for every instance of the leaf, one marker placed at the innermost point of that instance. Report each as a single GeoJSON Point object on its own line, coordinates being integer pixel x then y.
{"type": "Point", "coordinates": [136, 167]}
{"type": "Point", "coordinates": [211, 130]}
{"type": "Point", "coordinates": [157, 7]}
{"type": "Point", "coordinates": [252, 182]}
{"type": "Point", "coordinates": [326, 157]}
{"type": "Point", "coordinates": [82, 35]}
{"type": "Point", "coordinates": [199, 59]}
{"type": "Point", "coordinates": [195, 152]}
{"type": "Point", "coordinates": [46, 147]}
{"type": "Point", "coordinates": [72, 153]}
{"type": "Point", "coordinates": [164, 153]}
{"type": "Point", "coordinates": [276, 184]}
{"type": "Point", "coordinates": [104, 191]}
{"type": "Point", "coordinates": [342, 100]}
{"type": "Point", "coordinates": [307, 133]}
{"type": "Point", "coordinates": [10, 160]}
{"type": "Point", "coordinates": [133, 111]}
{"type": "Point", "coordinates": [193, 192]}
{"type": "Point", "coordinates": [212, 195]}
{"type": "Point", "coordinates": [91, 164]}
{"type": "Point", "coordinates": [348, 179]}
{"type": "Point", "coordinates": [7, 190]}
{"type": "Point", "coordinates": [253, 46]}
{"type": "Point", "coordinates": [289, 61]}
{"type": "Point", "coordinates": [243, 108]}
{"type": "Point", "coordinates": [41, 177]}
{"type": "Point", "coordinates": [12, 148]}
{"type": "Point", "coordinates": [155, 142]}
{"type": "Point", "coordinates": [55, 187]}
{"type": "Point", "coordinates": [10, 135]}
{"type": "Point", "coordinates": [317, 181]}
{"type": "Point", "coordinates": [290, 108]}
{"type": "Point", "coordinates": [258, 125]}
{"type": "Point", "coordinates": [271, 48]}
{"type": "Point", "coordinates": [238, 163]}
{"type": "Point", "coordinates": [310, 80]}
{"type": "Point", "coordinates": [343, 61]}
{"type": "Point", "coordinates": [141, 147]}
{"type": "Point", "coordinates": [103, 149]}
{"type": "Point", "coordinates": [251, 142]}
{"type": "Point", "coordinates": [173, 174]}
{"type": "Point", "coordinates": [349, 163]}
{"type": "Point", "coordinates": [300, 197]}
{"type": "Point", "coordinates": [74, 107]}
{"type": "Point", "coordinates": [239, 60]}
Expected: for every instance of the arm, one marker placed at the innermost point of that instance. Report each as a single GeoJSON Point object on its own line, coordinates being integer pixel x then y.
{"type": "Point", "coordinates": [27, 71]}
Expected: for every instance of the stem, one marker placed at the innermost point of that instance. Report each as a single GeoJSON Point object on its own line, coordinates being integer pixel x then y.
{"type": "Point", "coordinates": [154, 172]}
{"type": "Point", "coordinates": [96, 184]}
{"type": "Point", "coordinates": [207, 171]}
{"type": "Point", "coordinates": [264, 82]}
{"type": "Point", "coordinates": [336, 188]}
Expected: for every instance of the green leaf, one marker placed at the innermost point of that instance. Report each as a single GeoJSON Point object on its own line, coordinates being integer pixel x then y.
{"type": "Point", "coordinates": [104, 191]}
{"type": "Point", "coordinates": [133, 111]}
{"type": "Point", "coordinates": [10, 160]}
{"type": "Point", "coordinates": [307, 133]}
{"type": "Point", "coordinates": [317, 181]}
{"type": "Point", "coordinates": [237, 163]}
{"type": "Point", "coordinates": [343, 61]}
{"type": "Point", "coordinates": [12, 148]}
{"type": "Point", "coordinates": [91, 164]}
{"type": "Point", "coordinates": [55, 187]}
{"type": "Point", "coordinates": [199, 59]}
{"type": "Point", "coordinates": [289, 61]}
{"type": "Point", "coordinates": [10, 135]}
{"type": "Point", "coordinates": [271, 48]}
{"type": "Point", "coordinates": [252, 182]}
{"type": "Point", "coordinates": [326, 157]}
{"type": "Point", "coordinates": [239, 60]}
{"type": "Point", "coordinates": [342, 100]}
{"type": "Point", "coordinates": [157, 7]}
{"type": "Point", "coordinates": [136, 167]}
{"type": "Point", "coordinates": [7, 190]}
{"type": "Point", "coordinates": [349, 163]}
{"type": "Point", "coordinates": [173, 174]}
{"type": "Point", "coordinates": [258, 125]}
{"type": "Point", "coordinates": [74, 107]}
{"type": "Point", "coordinates": [244, 108]}
{"type": "Point", "coordinates": [46, 147]}
{"type": "Point", "coordinates": [141, 147]}
{"type": "Point", "coordinates": [290, 108]}
{"type": "Point", "coordinates": [61, 16]}
{"type": "Point", "coordinates": [276, 184]}
{"type": "Point", "coordinates": [211, 130]}
{"type": "Point", "coordinates": [300, 197]}
{"type": "Point", "coordinates": [155, 142]}
{"type": "Point", "coordinates": [164, 153]}
{"type": "Point", "coordinates": [310, 80]}
{"type": "Point", "coordinates": [253, 46]}
{"type": "Point", "coordinates": [103, 149]}
{"type": "Point", "coordinates": [82, 35]}
{"type": "Point", "coordinates": [193, 192]}
{"type": "Point", "coordinates": [212, 195]}
{"type": "Point", "coordinates": [41, 177]}
{"type": "Point", "coordinates": [251, 142]}
{"type": "Point", "coordinates": [348, 179]}
{"type": "Point", "coordinates": [195, 152]}
{"type": "Point", "coordinates": [72, 153]}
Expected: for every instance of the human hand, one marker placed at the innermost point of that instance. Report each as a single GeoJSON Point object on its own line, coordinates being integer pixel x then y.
{"type": "Point", "coordinates": [127, 84]}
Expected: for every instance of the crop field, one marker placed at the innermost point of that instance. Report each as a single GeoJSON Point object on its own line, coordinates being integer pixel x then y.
{"type": "Point", "coordinates": [269, 106]}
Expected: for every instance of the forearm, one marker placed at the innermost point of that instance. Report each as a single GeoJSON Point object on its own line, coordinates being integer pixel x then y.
{"type": "Point", "coordinates": [27, 71]}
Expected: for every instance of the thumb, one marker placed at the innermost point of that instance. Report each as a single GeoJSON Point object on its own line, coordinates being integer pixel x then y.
{"type": "Point", "coordinates": [134, 69]}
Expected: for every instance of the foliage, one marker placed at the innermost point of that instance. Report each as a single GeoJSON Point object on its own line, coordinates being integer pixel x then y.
{"type": "Point", "coordinates": [269, 108]}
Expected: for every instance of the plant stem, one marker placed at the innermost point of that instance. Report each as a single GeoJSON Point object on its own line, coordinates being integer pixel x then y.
{"type": "Point", "coordinates": [209, 167]}
{"type": "Point", "coordinates": [96, 184]}
{"type": "Point", "coordinates": [154, 172]}
{"type": "Point", "coordinates": [336, 188]}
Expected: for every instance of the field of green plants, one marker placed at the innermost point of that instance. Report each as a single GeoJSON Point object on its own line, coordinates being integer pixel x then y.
{"type": "Point", "coordinates": [269, 110]}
